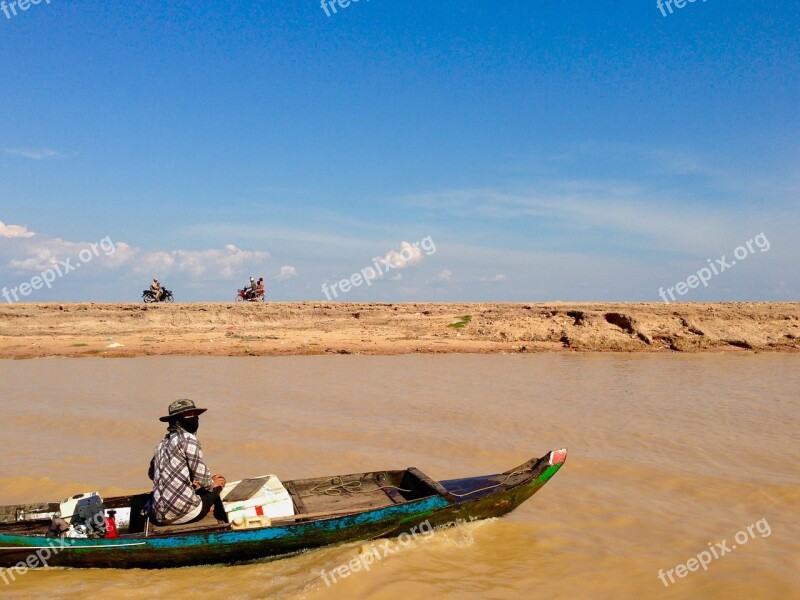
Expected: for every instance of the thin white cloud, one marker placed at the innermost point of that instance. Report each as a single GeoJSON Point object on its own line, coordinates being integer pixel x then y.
{"type": "Point", "coordinates": [287, 272]}
{"type": "Point", "coordinates": [14, 231]}
{"type": "Point", "coordinates": [620, 208]}
{"type": "Point", "coordinates": [499, 278]}
{"type": "Point", "coordinates": [34, 154]}
{"type": "Point", "coordinates": [407, 256]}
{"type": "Point", "coordinates": [255, 233]}
{"type": "Point", "coordinates": [665, 160]}
{"type": "Point", "coordinates": [445, 275]}
{"type": "Point", "coordinates": [24, 251]}
{"type": "Point", "coordinates": [223, 263]}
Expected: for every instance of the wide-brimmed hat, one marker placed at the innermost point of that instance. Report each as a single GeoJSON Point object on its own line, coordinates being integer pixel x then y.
{"type": "Point", "coordinates": [181, 407]}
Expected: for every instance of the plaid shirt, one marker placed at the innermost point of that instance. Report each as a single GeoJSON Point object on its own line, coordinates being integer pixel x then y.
{"type": "Point", "coordinates": [178, 462]}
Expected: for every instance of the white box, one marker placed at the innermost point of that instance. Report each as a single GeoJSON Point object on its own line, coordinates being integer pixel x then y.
{"type": "Point", "coordinates": [271, 499]}
{"type": "Point", "coordinates": [240, 522]}
{"type": "Point", "coordinates": [81, 507]}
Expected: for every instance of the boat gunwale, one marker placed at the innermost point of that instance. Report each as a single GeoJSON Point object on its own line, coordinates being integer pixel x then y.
{"type": "Point", "coordinates": [540, 471]}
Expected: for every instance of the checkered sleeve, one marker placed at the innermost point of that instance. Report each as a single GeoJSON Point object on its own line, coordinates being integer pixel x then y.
{"type": "Point", "coordinates": [197, 466]}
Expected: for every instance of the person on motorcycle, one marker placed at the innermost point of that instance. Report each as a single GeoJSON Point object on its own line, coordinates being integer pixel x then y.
{"type": "Point", "coordinates": [251, 290]}
{"type": "Point", "coordinates": [155, 289]}
{"type": "Point", "coordinates": [260, 287]}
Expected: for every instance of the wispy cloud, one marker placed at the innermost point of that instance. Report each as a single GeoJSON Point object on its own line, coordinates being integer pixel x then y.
{"type": "Point", "coordinates": [14, 231]}
{"type": "Point", "coordinates": [34, 154]}
{"type": "Point", "coordinates": [287, 272]}
{"type": "Point", "coordinates": [624, 211]}
{"type": "Point", "coordinates": [24, 251]}
{"type": "Point", "coordinates": [258, 233]}
{"type": "Point", "coordinates": [222, 263]}
{"type": "Point", "coordinates": [408, 255]}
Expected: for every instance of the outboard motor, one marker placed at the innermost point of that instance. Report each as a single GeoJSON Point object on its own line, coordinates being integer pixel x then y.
{"type": "Point", "coordinates": [85, 515]}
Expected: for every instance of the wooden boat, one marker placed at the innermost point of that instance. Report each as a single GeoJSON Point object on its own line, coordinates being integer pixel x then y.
{"type": "Point", "coordinates": [366, 506]}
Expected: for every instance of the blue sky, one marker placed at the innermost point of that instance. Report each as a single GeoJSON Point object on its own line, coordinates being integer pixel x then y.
{"type": "Point", "coordinates": [551, 150]}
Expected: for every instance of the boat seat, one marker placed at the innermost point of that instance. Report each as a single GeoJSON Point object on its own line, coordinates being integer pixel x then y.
{"type": "Point", "coordinates": [422, 486]}
{"type": "Point", "coordinates": [138, 520]}
{"type": "Point", "coordinates": [208, 523]}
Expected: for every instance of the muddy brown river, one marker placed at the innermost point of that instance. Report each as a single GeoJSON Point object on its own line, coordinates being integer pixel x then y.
{"type": "Point", "coordinates": [672, 461]}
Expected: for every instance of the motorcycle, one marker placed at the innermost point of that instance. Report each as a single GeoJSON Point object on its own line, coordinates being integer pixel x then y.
{"type": "Point", "coordinates": [166, 296]}
{"type": "Point", "coordinates": [246, 295]}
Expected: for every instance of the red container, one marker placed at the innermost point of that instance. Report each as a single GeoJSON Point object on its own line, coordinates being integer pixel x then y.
{"type": "Point", "coordinates": [111, 526]}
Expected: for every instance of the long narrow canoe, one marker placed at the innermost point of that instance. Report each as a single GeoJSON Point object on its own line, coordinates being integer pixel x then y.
{"type": "Point", "coordinates": [366, 506]}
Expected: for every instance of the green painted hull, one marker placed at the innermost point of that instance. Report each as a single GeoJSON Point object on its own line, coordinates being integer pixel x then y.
{"type": "Point", "coordinates": [460, 500]}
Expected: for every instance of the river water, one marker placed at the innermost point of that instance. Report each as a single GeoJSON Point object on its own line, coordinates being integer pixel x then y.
{"type": "Point", "coordinates": [667, 454]}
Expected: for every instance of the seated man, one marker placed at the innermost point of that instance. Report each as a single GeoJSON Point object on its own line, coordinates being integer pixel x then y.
{"type": "Point", "coordinates": [184, 491]}
{"type": "Point", "coordinates": [260, 287]}
{"type": "Point", "coordinates": [250, 289]}
{"type": "Point", "coordinates": [155, 289]}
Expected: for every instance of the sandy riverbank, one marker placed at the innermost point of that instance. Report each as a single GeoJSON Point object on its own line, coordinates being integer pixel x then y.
{"type": "Point", "coordinates": [227, 329]}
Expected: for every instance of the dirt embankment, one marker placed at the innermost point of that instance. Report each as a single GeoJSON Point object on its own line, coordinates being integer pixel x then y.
{"type": "Point", "coordinates": [219, 329]}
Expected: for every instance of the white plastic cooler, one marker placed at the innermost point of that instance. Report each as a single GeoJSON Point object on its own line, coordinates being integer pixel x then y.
{"type": "Point", "coordinates": [257, 497]}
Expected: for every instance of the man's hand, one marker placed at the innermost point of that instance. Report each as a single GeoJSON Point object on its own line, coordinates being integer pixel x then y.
{"type": "Point", "coordinates": [218, 481]}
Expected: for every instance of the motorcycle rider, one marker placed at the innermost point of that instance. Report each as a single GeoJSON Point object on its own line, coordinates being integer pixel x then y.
{"type": "Point", "coordinates": [260, 287]}
{"type": "Point", "coordinates": [251, 290]}
{"type": "Point", "coordinates": [155, 289]}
